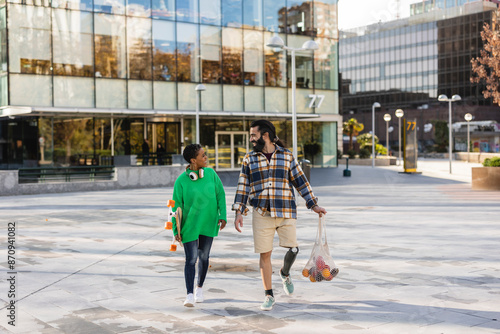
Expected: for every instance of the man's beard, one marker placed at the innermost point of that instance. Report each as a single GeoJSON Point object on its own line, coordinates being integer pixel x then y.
{"type": "Point", "coordinates": [259, 145]}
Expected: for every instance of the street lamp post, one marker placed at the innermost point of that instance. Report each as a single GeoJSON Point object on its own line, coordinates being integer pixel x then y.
{"type": "Point", "coordinates": [277, 42]}
{"type": "Point", "coordinates": [375, 105]}
{"type": "Point", "coordinates": [468, 118]}
{"type": "Point", "coordinates": [199, 88]}
{"type": "Point", "coordinates": [454, 98]}
{"type": "Point", "coordinates": [387, 119]}
{"type": "Point", "coordinates": [399, 113]}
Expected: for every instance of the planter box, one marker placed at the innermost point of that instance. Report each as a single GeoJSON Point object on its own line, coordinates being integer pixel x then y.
{"type": "Point", "coordinates": [485, 178]}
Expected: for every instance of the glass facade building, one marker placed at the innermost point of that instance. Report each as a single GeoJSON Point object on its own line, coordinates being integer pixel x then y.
{"type": "Point", "coordinates": [85, 79]}
{"type": "Point", "coordinates": [407, 63]}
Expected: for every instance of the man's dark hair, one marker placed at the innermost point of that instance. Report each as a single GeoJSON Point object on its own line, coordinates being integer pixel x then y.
{"type": "Point", "coordinates": [191, 151]}
{"type": "Point", "coordinates": [266, 126]}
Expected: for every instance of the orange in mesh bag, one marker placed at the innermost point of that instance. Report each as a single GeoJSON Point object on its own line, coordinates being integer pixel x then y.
{"type": "Point", "coordinates": [320, 266]}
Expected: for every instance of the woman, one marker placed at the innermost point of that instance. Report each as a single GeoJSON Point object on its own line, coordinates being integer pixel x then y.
{"type": "Point", "coordinates": [200, 195]}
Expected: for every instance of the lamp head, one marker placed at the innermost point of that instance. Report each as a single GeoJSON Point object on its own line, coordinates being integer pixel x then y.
{"type": "Point", "coordinates": [456, 97]}
{"type": "Point", "coordinates": [443, 98]}
{"type": "Point", "coordinates": [387, 117]}
{"type": "Point", "coordinates": [275, 42]}
{"type": "Point", "coordinates": [200, 87]}
{"type": "Point", "coordinates": [468, 117]}
{"type": "Point", "coordinates": [310, 45]}
{"type": "Point", "coordinates": [399, 113]}
{"type": "Point", "coordinates": [376, 105]}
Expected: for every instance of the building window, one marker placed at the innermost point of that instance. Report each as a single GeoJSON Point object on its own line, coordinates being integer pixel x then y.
{"type": "Point", "coordinates": [139, 48]}
{"type": "Point", "coordinates": [139, 8]}
{"type": "Point", "coordinates": [252, 14]}
{"type": "Point", "coordinates": [211, 71]}
{"type": "Point", "coordinates": [232, 47]}
{"type": "Point", "coordinates": [275, 65]}
{"type": "Point", "coordinates": [29, 39]}
{"type": "Point", "coordinates": [164, 56]}
{"type": "Point", "coordinates": [187, 10]}
{"type": "Point", "coordinates": [110, 51]}
{"type": "Point", "coordinates": [109, 7]}
{"type": "Point", "coordinates": [187, 52]}
{"type": "Point", "coordinates": [232, 13]}
{"type": "Point", "coordinates": [163, 9]}
{"type": "Point", "coordinates": [210, 12]}
{"type": "Point", "coordinates": [72, 43]}
{"type": "Point", "coordinates": [253, 66]}
{"type": "Point", "coordinates": [275, 15]}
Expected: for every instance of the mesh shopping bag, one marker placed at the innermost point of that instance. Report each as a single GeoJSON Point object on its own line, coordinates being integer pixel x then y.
{"type": "Point", "coordinates": [320, 266]}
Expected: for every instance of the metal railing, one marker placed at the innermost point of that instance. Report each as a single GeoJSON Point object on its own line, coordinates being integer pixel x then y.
{"type": "Point", "coordinates": [66, 174]}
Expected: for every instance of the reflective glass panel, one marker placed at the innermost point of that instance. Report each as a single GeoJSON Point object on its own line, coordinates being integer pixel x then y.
{"type": "Point", "coordinates": [110, 52]}
{"type": "Point", "coordinates": [275, 15]}
{"type": "Point", "coordinates": [39, 86]}
{"type": "Point", "coordinates": [325, 18]}
{"type": "Point", "coordinates": [210, 12]}
{"type": "Point", "coordinates": [232, 47]}
{"type": "Point", "coordinates": [29, 39]}
{"type": "Point", "coordinates": [163, 9]}
{"type": "Point", "coordinates": [300, 17]}
{"type": "Point", "coordinates": [325, 64]}
{"type": "Point", "coordinates": [164, 56]}
{"type": "Point", "coordinates": [275, 65]}
{"type": "Point", "coordinates": [109, 7]}
{"type": "Point", "coordinates": [139, 8]}
{"type": "Point", "coordinates": [73, 4]}
{"type": "Point", "coordinates": [187, 52]}
{"type": "Point", "coordinates": [232, 13]}
{"type": "Point", "coordinates": [211, 71]}
{"type": "Point", "coordinates": [111, 93]}
{"type": "Point", "coordinates": [72, 43]}
{"type": "Point", "coordinates": [187, 10]}
{"type": "Point", "coordinates": [139, 48]}
{"type": "Point", "coordinates": [252, 14]}
{"type": "Point", "coordinates": [73, 92]}
{"type": "Point", "coordinates": [253, 67]}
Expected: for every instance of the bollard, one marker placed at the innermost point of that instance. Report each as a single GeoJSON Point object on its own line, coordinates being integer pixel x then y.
{"type": "Point", "coordinates": [347, 172]}
{"type": "Point", "coordinates": [306, 168]}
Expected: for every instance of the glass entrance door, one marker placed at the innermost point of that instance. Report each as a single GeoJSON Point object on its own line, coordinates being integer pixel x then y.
{"type": "Point", "coordinates": [168, 136]}
{"type": "Point", "coordinates": [230, 148]}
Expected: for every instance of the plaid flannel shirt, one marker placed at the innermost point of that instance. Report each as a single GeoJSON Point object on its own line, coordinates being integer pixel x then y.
{"type": "Point", "coordinates": [261, 181]}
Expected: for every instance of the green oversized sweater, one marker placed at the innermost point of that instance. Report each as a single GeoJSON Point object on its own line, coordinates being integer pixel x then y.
{"type": "Point", "coordinates": [203, 203]}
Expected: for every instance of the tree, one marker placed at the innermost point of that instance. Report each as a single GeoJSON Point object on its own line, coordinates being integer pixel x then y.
{"type": "Point", "coordinates": [352, 128]}
{"type": "Point", "coordinates": [486, 67]}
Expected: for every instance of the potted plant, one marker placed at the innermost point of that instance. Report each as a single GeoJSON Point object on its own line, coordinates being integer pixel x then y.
{"type": "Point", "coordinates": [488, 176]}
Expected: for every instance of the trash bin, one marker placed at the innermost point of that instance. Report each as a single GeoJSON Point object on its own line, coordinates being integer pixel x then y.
{"type": "Point", "coordinates": [306, 168]}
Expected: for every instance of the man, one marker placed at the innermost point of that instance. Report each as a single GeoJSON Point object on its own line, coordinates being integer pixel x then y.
{"type": "Point", "coordinates": [145, 152]}
{"type": "Point", "coordinates": [266, 179]}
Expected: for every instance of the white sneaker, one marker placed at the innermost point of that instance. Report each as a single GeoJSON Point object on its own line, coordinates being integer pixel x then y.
{"type": "Point", "coordinates": [198, 295]}
{"type": "Point", "coordinates": [189, 302]}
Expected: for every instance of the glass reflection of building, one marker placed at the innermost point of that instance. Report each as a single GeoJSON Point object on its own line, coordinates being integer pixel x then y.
{"type": "Point", "coordinates": [408, 63]}
{"type": "Point", "coordinates": [96, 77]}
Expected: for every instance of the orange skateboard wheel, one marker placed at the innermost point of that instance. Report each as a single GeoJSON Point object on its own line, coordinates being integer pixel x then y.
{"type": "Point", "coordinates": [168, 225]}
{"type": "Point", "coordinates": [173, 248]}
{"type": "Point", "coordinates": [171, 203]}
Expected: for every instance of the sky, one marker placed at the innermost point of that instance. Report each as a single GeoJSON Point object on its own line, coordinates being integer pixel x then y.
{"type": "Point", "coordinates": [357, 13]}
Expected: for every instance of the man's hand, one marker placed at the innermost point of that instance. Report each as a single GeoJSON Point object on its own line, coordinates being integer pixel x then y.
{"type": "Point", "coordinates": [238, 222]}
{"type": "Point", "coordinates": [319, 210]}
{"type": "Point", "coordinates": [222, 224]}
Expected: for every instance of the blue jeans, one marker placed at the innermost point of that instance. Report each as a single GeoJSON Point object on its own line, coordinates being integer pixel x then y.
{"type": "Point", "coordinates": [196, 249]}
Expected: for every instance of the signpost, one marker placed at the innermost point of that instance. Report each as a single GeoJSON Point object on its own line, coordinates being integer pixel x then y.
{"type": "Point", "coordinates": [410, 144]}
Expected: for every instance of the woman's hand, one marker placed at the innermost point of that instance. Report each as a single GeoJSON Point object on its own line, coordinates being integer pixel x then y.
{"type": "Point", "coordinates": [178, 238]}
{"type": "Point", "coordinates": [222, 224]}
